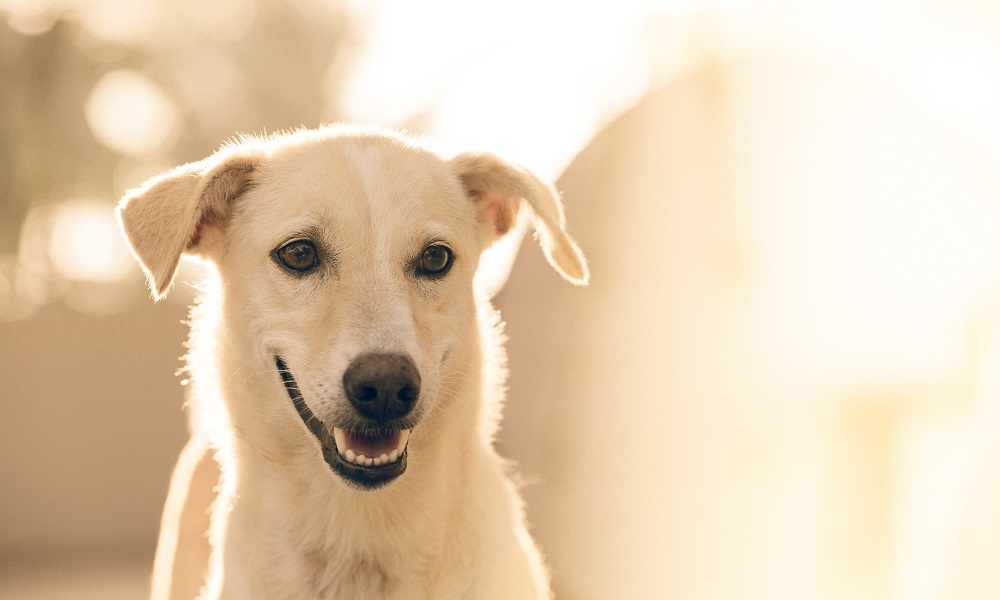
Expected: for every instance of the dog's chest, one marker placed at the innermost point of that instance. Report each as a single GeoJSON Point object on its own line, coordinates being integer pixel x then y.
{"type": "Point", "coordinates": [334, 575]}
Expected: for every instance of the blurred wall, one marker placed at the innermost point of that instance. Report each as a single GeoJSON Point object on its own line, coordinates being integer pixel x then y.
{"type": "Point", "coordinates": [92, 426]}
{"type": "Point", "coordinates": [778, 338]}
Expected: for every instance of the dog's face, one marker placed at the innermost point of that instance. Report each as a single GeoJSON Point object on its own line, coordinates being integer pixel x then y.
{"type": "Point", "coordinates": [347, 262]}
{"type": "Point", "coordinates": [354, 265]}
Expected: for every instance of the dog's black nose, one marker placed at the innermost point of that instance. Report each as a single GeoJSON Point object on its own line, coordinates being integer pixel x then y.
{"type": "Point", "coordinates": [382, 387]}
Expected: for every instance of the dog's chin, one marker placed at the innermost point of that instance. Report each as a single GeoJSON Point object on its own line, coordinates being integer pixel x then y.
{"type": "Point", "coordinates": [366, 458]}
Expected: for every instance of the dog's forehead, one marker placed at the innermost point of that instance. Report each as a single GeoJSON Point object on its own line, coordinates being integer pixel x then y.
{"type": "Point", "coordinates": [362, 182]}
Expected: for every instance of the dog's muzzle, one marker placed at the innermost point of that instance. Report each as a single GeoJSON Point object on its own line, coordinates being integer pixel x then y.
{"type": "Point", "coordinates": [372, 450]}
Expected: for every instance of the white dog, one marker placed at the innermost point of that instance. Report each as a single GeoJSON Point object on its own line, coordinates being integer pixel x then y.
{"type": "Point", "coordinates": [347, 374]}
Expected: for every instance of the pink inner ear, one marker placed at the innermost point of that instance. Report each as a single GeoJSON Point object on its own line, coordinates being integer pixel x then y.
{"type": "Point", "coordinates": [195, 236]}
{"type": "Point", "coordinates": [502, 211]}
{"type": "Point", "coordinates": [219, 195]}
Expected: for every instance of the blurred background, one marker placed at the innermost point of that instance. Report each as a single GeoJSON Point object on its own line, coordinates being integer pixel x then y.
{"type": "Point", "coordinates": [783, 382]}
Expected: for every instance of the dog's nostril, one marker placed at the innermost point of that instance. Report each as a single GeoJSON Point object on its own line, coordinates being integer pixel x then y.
{"type": "Point", "coordinates": [408, 394]}
{"type": "Point", "coordinates": [367, 394]}
{"type": "Point", "coordinates": [382, 387]}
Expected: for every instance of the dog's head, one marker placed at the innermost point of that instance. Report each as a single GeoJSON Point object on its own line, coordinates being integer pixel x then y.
{"type": "Point", "coordinates": [346, 259]}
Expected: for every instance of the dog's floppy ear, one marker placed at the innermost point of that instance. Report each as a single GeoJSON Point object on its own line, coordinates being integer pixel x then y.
{"type": "Point", "coordinates": [498, 187]}
{"type": "Point", "coordinates": [170, 214]}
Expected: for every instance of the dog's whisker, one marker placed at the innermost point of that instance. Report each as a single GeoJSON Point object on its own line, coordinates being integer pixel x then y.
{"type": "Point", "coordinates": [239, 392]}
{"type": "Point", "coordinates": [455, 376]}
{"type": "Point", "coordinates": [458, 360]}
{"type": "Point", "coordinates": [240, 368]}
{"type": "Point", "coordinates": [457, 379]}
{"type": "Point", "coordinates": [454, 388]}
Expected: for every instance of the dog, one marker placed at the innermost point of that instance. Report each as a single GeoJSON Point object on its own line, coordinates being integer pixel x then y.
{"type": "Point", "coordinates": [346, 371]}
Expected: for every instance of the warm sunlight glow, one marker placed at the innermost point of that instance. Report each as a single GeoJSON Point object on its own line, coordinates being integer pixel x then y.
{"type": "Point", "coordinates": [29, 17]}
{"type": "Point", "coordinates": [222, 20]}
{"type": "Point", "coordinates": [962, 77]}
{"type": "Point", "coordinates": [130, 114]}
{"type": "Point", "coordinates": [86, 244]}
{"type": "Point", "coordinates": [509, 84]}
{"type": "Point", "coordinates": [118, 21]}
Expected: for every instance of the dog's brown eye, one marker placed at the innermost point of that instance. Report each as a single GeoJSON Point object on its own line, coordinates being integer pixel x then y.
{"type": "Point", "coordinates": [299, 255]}
{"type": "Point", "coordinates": [435, 260]}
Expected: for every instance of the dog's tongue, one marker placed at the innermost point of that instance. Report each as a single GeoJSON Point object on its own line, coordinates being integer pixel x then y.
{"type": "Point", "coordinates": [373, 443]}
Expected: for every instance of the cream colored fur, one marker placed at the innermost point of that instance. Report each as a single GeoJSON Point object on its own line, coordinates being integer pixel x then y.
{"type": "Point", "coordinates": [284, 524]}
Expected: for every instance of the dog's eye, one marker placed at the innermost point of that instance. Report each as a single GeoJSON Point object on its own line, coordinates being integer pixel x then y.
{"type": "Point", "coordinates": [299, 255]}
{"type": "Point", "coordinates": [435, 260]}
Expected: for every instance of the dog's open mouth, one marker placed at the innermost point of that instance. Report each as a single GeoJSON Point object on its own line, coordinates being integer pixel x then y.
{"type": "Point", "coordinates": [367, 458]}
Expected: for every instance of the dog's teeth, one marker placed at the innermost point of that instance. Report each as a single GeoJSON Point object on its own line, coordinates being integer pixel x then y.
{"type": "Point", "coordinates": [351, 456]}
{"type": "Point", "coordinates": [338, 436]}
{"type": "Point", "coordinates": [403, 437]}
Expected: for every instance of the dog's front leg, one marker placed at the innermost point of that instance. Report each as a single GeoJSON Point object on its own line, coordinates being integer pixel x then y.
{"type": "Point", "coordinates": [182, 550]}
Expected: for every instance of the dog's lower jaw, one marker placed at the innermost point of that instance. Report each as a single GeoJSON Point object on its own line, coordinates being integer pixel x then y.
{"type": "Point", "coordinates": [365, 474]}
